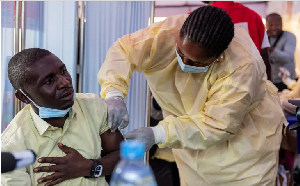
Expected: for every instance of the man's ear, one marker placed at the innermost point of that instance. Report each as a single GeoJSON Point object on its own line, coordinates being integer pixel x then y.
{"type": "Point", "coordinates": [22, 97]}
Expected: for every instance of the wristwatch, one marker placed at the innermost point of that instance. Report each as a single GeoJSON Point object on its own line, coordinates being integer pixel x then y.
{"type": "Point", "coordinates": [96, 170]}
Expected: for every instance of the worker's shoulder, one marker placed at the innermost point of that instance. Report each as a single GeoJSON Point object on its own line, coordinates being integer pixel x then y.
{"type": "Point", "coordinates": [17, 127]}
{"type": "Point", "coordinates": [242, 36]}
{"type": "Point", "coordinates": [242, 49]}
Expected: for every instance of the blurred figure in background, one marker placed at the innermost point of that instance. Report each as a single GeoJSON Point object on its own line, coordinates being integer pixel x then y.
{"type": "Point", "coordinates": [243, 16]}
{"type": "Point", "coordinates": [283, 45]}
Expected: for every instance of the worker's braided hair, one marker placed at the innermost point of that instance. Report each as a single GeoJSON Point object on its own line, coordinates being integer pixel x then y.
{"type": "Point", "coordinates": [210, 27]}
{"type": "Point", "coordinates": [17, 66]}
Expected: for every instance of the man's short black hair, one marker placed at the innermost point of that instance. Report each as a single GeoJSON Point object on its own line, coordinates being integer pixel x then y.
{"type": "Point", "coordinates": [210, 27]}
{"type": "Point", "coordinates": [18, 64]}
{"type": "Point", "coordinates": [274, 15]}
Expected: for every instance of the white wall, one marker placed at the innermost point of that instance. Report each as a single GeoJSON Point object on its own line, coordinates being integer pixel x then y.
{"type": "Point", "coordinates": [168, 8]}
{"type": "Point", "coordinates": [259, 8]}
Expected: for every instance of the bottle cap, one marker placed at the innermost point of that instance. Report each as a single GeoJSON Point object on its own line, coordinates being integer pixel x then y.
{"type": "Point", "coordinates": [132, 150]}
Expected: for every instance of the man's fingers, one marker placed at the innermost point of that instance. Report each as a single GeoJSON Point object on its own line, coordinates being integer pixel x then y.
{"type": "Point", "coordinates": [51, 177]}
{"type": "Point", "coordinates": [54, 182]}
{"type": "Point", "coordinates": [125, 121]}
{"type": "Point", "coordinates": [52, 160]}
{"type": "Point", "coordinates": [52, 168]}
{"type": "Point", "coordinates": [65, 148]}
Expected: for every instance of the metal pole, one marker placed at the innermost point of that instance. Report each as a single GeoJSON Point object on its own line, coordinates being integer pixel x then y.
{"type": "Point", "coordinates": [81, 46]}
{"type": "Point", "coordinates": [17, 11]}
{"type": "Point", "coordinates": [16, 45]}
{"type": "Point", "coordinates": [23, 26]}
{"type": "Point", "coordinates": [77, 45]}
{"type": "Point", "coordinates": [21, 104]}
{"type": "Point", "coordinates": [152, 12]}
{"type": "Point", "coordinates": [148, 100]}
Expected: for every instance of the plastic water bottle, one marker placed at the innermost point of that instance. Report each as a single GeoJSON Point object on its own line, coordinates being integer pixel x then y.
{"type": "Point", "coordinates": [131, 170]}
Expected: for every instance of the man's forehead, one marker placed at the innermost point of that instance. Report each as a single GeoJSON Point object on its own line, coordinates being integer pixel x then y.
{"type": "Point", "coordinates": [43, 67]}
{"type": "Point", "coordinates": [276, 18]}
{"type": "Point", "coordinates": [46, 63]}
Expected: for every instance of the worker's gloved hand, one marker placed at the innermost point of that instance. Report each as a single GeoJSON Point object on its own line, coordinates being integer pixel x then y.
{"type": "Point", "coordinates": [117, 113]}
{"type": "Point", "coordinates": [148, 135]}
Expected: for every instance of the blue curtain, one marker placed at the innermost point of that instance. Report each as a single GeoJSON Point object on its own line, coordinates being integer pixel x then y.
{"type": "Point", "coordinates": [7, 51]}
{"type": "Point", "coordinates": [52, 25]}
{"type": "Point", "coordinates": [34, 27]}
{"type": "Point", "coordinates": [105, 23]}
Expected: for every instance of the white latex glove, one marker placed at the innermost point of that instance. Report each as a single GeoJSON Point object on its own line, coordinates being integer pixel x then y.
{"type": "Point", "coordinates": [117, 113]}
{"type": "Point", "coordinates": [148, 135]}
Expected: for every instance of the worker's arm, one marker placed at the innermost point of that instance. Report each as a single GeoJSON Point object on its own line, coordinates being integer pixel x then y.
{"type": "Point", "coordinates": [18, 177]}
{"type": "Point", "coordinates": [129, 53]}
{"type": "Point", "coordinates": [143, 50]}
{"type": "Point", "coordinates": [227, 104]}
{"type": "Point", "coordinates": [287, 54]}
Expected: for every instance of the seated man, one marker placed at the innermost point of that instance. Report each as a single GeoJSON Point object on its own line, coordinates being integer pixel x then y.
{"type": "Point", "coordinates": [65, 130]}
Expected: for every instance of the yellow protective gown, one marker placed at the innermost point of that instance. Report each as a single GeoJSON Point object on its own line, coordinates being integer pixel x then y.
{"type": "Point", "coordinates": [225, 126]}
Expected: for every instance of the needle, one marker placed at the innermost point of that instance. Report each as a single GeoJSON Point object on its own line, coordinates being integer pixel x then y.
{"type": "Point", "coordinates": [123, 134]}
{"type": "Point", "coordinates": [121, 130]}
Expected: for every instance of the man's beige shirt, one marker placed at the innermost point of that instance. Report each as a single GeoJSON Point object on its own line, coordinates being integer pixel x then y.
{"type": "Point", "coordinates": [86, 122]}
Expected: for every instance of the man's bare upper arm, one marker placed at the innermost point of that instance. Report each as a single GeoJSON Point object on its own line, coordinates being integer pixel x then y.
{"type": "Point", "coordinates": [110, 141]}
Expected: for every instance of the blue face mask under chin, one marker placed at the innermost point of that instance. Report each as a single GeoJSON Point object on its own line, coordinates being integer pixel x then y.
{"type": "Point", "coordinates": [49, 112]}
{"type": "Point", "coordinates": [188, 68]}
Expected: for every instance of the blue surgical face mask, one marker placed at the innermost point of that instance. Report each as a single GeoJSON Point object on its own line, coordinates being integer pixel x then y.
{"type": "Point", "coordinates": [188, 68]}
{"type": "Point", "coordinates": [49, 112]}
